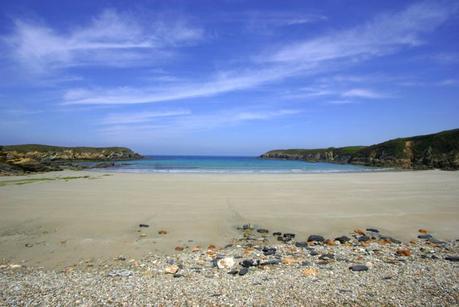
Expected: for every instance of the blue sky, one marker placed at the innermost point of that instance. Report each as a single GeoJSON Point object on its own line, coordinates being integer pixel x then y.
{"type": "Point", "coordinates": [226, 77]}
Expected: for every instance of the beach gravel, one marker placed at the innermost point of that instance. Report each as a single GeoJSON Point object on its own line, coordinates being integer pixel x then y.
{"type": "Point", "coordinates": [291, 276]}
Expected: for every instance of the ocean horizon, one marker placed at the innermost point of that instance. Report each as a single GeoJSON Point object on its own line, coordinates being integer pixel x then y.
{"type": "Point", "coordinates": [231, 164]}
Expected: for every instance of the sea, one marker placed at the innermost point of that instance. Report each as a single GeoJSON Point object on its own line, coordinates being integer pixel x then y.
{"type": "Point", "coordinates": [226, 164]}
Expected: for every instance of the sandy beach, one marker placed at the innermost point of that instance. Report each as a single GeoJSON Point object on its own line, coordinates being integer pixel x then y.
{"type": "Point", "coordinates": [73, 216]}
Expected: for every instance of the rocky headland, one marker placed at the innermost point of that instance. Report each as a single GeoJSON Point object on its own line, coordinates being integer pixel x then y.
{"type": "Point", "coordinates": [23, 159]}
{"type": "Point", "coordinates": [433, 151]}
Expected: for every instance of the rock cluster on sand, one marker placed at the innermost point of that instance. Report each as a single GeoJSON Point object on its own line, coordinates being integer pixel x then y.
{"type": "Point", "coordinates": [255, 269]}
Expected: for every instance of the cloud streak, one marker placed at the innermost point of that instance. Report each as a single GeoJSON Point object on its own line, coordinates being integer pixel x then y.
{"type": "Point", "coordinates": [383, 35]}
{"type": "Point", "coordinates": [178, 122]}
{"type": "Point", "coordinates": [110, 39]}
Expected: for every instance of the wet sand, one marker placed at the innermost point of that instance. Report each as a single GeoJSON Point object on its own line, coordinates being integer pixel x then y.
{"type": "Point", "coordinates": [64, 221]}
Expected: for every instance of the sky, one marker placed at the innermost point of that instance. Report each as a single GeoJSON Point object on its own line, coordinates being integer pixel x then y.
{"type": "Point", "coordinates": [226, 77]}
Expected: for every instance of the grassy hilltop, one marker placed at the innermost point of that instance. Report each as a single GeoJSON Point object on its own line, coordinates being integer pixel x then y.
{"type": "Point", "coordinates": [439, 150]}
{"type": "Point", "coordinates": [17, 159]}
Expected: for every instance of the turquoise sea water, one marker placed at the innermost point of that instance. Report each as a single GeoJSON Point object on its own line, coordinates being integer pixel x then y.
{"type": "Point", "coordinates": [207, 164]}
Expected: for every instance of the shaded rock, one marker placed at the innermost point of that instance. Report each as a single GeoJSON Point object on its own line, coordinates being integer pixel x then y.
{"type": "Point", "coordinates": [277, 233]}
{"type": "Point", "coordinates": [249, 262]}
{"type": "Point", "coordinates": [363, 238]}
{"type": "Point", "coordinates": [301, 244]}
{"type": "Point", "coordinates": [270, 262]}
{"type": "Point", "coordinates": [343, 239]}
{"type": "Point", "coordinates": [243, 271]}
{"type": "Point", "coordinates": [315, 238]}
{"type": "Point", "coordinates": [373, 230]}
{"type": "Point", "coordinates": [313, 253]}
{"type": "Point", "coordinates": [436, 241]}
{"type": "Point", "coordinates": [425, 236]}
{"type": "Point", "coordinates": [452, 258]}
{"type": "Point", "coordinates": [284, 239]}
{"type": "Point", "coordinates": [269, 251]}
{"type": "Point", "coordinates": [262, 230]}
{"type": "Point", "coordinates": [289, 235]}
{"type": "Point", "coordinates": [327, 257]}
{"type": "Point", "coordinates": [358, 268]}
{"type": "Point", "coordinates": [104, 165]}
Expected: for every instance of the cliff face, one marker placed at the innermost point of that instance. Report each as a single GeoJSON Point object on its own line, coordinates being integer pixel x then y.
{"type": "Point", "coordinates": [440, 150]}
{"type": "Point", "coordinates": [17, 159]}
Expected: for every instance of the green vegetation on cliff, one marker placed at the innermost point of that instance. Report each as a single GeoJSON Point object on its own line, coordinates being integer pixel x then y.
{"type": "Point", "coordinates": [47, 148]}
{"type": "Point", "coordinates": [439, 150]}
{"type": "Point", "coordinates": [17, 159]}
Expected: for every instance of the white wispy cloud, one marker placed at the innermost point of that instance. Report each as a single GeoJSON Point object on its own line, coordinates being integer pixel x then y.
{"type": "Point", "coordinates": [449, 82]}
{"type": "Point", "coordinates": [222, 83]}
{"type": "Point", "coordinates": [385, 34]}
{"type": "Point", "coordinates": [140, 117]}
{"type": "Point", "coordinates": [175, 124]}
{"type": "Point", "coordinates": [363, 93]}
{"type": "Point", "coordinates": [109, 39]}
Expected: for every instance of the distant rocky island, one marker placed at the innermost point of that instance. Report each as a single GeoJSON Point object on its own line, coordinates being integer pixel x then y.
{"type": "Point", "coordinates": [432, 151]}
{"type": "Point", "coordinates": [22, 159]}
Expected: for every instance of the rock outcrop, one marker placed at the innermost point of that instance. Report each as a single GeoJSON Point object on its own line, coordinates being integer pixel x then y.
{"type": "Point", "coordinates": [19, 159]}
{"type": "Point", "coordinates": [439, 150]}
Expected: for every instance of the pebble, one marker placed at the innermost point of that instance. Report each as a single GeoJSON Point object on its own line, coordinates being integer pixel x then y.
{"type": "Point", "coordinates": [290, 277]}
{"type": "Point", "coordinates": [243, 271]}
{"type": "Point", "coordinates": [270, 262]}
{"type": "Point", "coordinates": [269, 251]}
{"type": "Point", "coordinates": [327, 257]}
{"type": "Point", "coordinates": [403, 252]}
{"type": "Point", "coordinates": [226, 263]}
{"type": "Point", "coordinates": [343, 239]}
{"type": "Point", "coordinates": [425, 236]}
{"type": "Point", "coordinates": [249, 262]}
{"type": "Point", "coordinates": [262, 230]}
{"type": "Point", "coordinates": [373, 230]}
{"type": "Point", "coordinates": [277, 233]}
{"type": "Point", "coordinates": [313, 253]}
{"type": "Point", "coordinates": [310, 272]}
{"type": "Point", "coordinates": [315, 238]}
{"type": "Point", "coordinates": [171, 269]}
{"type": "Point", "coordinates": [358, 268]}
{"type": "Point", "coordinates": [452, 258]}
{"type": "Point", "coordinates": [162, 232]}
{"type": "Point", "coordinates": [120, 273]}
{"type": "Point", "coordinates": [301, 244]}
{"type": "Point", "coordinates": [144, 225]}
{"type": "Point", "coordinates": [363, 238]}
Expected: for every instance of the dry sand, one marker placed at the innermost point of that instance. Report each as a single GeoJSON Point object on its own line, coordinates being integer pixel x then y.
{"type": "Point", "coordinates": [64, 221]}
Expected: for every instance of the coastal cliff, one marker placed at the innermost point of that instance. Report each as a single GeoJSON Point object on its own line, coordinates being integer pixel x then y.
{"type": "Point", "coordinates": [439, 150]}
{"type": "Point", "coordinates": [20, 159]}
